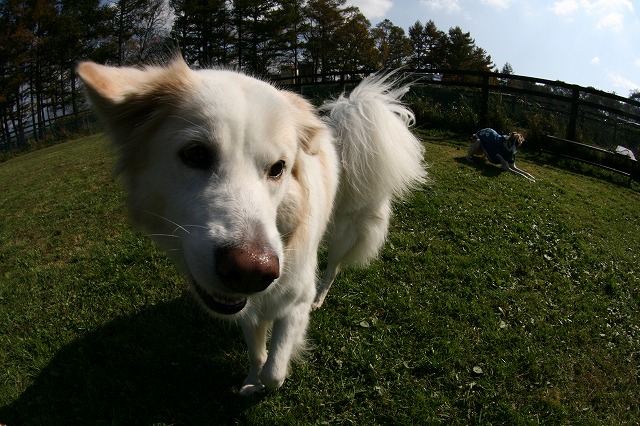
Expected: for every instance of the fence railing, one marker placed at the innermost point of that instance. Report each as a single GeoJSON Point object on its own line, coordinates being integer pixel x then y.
{"type": "Point", "coordinates": [576, 97]}
{"type": "Point", "coordinates": [584, 113]}
{"type": "Point", "coordinates": [594, 120]}
{"type": "Point", "coordinates": [53, 129]}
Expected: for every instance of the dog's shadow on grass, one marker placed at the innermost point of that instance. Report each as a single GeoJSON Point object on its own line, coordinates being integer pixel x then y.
{"type": "Point", "coordinates": [168, 363]}
{"type": "Point", "coordinates": [485, 167]}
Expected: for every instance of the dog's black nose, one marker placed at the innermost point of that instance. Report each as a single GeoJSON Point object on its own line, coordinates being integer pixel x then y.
{"type": "Point", "coordinates": [247, 269]}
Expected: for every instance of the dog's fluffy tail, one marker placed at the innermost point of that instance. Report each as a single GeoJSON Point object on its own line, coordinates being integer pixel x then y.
{"type": "Point", "coordinates": [380, 156]}
{"type": "Point", "coordinates": [381, 161]}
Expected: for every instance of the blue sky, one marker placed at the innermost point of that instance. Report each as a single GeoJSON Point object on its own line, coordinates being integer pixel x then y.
{"type": "Point", "coordinates": [586, 42]}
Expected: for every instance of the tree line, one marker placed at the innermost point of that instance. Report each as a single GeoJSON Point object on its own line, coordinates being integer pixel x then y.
{"type": "Point", "coordinates": [42, 40]}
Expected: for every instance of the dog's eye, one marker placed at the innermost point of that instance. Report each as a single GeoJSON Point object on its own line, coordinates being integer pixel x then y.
{"type": "Point", "coordinates": [275, 171]}
{"type": "Point", "coordinates": [197, 156]}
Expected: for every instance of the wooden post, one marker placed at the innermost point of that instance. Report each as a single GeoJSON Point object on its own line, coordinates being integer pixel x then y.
{"type": "Point", "coordinates": [573, 115]}
{"type": "Point", "coordinates": [484, 102]}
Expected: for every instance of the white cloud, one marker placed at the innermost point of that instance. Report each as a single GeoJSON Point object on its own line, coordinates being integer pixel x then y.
{"type": "Point", "coordinates": [619, 81]}
{"type": "Point", "coordinates": [597, 7]}
{"type": "Point", "coordinates": [449, 6]}
{"type": "Point", "coordinates": [565, 7]}
{"type": "Point", "coordinates": [604, 5]}
{"type": "Point", "coordinates": [372, 8]}
{"type": "Point", "coordinates": [613, 20]}
{"type": "Point", "coordinates": [498, 4]}
{"type": "Point", "coordinates": [595, 60]}
{"type": "Point", "coordinates": [607, 14]}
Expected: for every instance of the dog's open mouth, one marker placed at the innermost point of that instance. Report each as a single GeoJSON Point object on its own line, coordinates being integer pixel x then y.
{"type": "Point", "coordinates": [220, 303]}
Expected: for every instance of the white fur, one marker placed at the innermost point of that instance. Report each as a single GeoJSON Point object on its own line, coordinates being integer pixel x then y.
{"type": "Point", "coordinates": [380, 162]}
{"type": "Point", "coordinates": [238, 209]}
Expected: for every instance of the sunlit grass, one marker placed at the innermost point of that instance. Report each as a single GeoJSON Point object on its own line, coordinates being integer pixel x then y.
{"type": "Point", "coordinates": [495, 301]}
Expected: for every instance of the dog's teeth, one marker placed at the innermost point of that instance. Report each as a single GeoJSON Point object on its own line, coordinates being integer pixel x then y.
{"type": "Point", "coordinates": [220, 303]}
{"type": "Point", "coordinates": [225, 299]}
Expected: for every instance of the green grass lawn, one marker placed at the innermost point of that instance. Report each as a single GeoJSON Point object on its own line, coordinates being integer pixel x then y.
{"type": "Point", "coordinates": [495, 301]}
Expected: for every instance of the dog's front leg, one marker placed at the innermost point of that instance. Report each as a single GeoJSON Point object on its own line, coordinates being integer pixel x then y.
{"type": "Point", "coordinates": [511, 167]}
{"type": "Point", "coordinates": [505, 164]}
{"type": "Point", "coordinates": [287, 339]}
{"type": "Point", "coordinates": [475, 148]}
{"type": "Point", "coordinates": [256, 339]}
{"type": "Point", "coordinates": [325, 284]}
{"type": "Point", "coordinates": [519, 172]}
{"type": "Point", "coordinates": [523, 173]}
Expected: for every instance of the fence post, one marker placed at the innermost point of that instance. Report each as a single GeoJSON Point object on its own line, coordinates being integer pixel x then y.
{"type": "Point", "coordinates": [484, 102]}
{"type": "Point", "coordinates": [573, 115]}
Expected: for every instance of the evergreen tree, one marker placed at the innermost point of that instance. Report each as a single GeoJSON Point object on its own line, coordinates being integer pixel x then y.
{"type": "Point", "coordinates": [203, 30]}
{"type": "Point", "coordinates": [437, 43]}
{"type": "Point", "coordinates": [429, 46]}
{"type": "Point", "coordinates": [463, 54]}
{"type": "Point", "coordinates": [354, 45]}
{"type": "Point", "coordinates": [257, 33]}
{"type": "Point", "coordinates": [79, 34]}
{"type": "Point", "coordinates": [418, 45]}
{"type": "Point", "coordinates": [14, 54]}
{"type": "Point", "coordinates": [324, 17]}
{"type": "Point", "coordinates": [42, 40]}
{"type": "Point", "coordinates": [394, 48]}
{"type": "Point", "coordinates": [289, 42]}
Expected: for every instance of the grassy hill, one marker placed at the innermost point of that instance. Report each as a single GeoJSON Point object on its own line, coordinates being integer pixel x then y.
{"type": "Point", "coordinates": [495, 301]}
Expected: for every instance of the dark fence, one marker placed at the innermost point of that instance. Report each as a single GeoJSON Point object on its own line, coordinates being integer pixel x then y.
{"type": "Point", "coordinates": [577, 122]}
{"type": "Point", "coordinates": [552, 114]}
{"type": "Point", "coordinates": [54, 129]}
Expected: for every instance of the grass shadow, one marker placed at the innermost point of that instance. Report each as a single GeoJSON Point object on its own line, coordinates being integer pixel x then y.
{"type": "Point", "coordinates": [583, 169]}
{"type": "Point", "coordinates": [168, 363]}
{"type": "Point", "coordinates": [484, 167]}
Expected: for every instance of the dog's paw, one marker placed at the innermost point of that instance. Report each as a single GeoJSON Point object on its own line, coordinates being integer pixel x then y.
{"type": "Point", "coordinates": [317, 303]}
{"type": "Point", "coordinates": [249, 389]}
{"type": "Point", "coordinates": [251, 385]}
{"type": "Point", "coordinates": [272, 380]}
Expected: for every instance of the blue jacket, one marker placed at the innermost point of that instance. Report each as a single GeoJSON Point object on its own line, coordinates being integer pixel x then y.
{"type": "Point", "coordinates": [494, 144]}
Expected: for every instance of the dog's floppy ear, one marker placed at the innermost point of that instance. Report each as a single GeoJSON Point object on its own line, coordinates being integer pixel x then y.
{"type": "Point", "coordinates": [109, 86]}
{"type": "Point", "coordinates": [130, 101]}
{"type": "Point", "coordinates": [308, 123]}
{"type": "Point", "coordinates": [126, 97]}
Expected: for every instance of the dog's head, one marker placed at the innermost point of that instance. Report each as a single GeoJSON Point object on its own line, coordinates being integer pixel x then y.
{"type": "Point", "coordinates": [210, 161]}
{"type": "Point", "coordinates": [515, 139]}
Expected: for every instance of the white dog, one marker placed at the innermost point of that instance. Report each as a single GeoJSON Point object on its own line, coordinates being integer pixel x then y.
{"type": "Point", "coordinates": [238, 181]}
